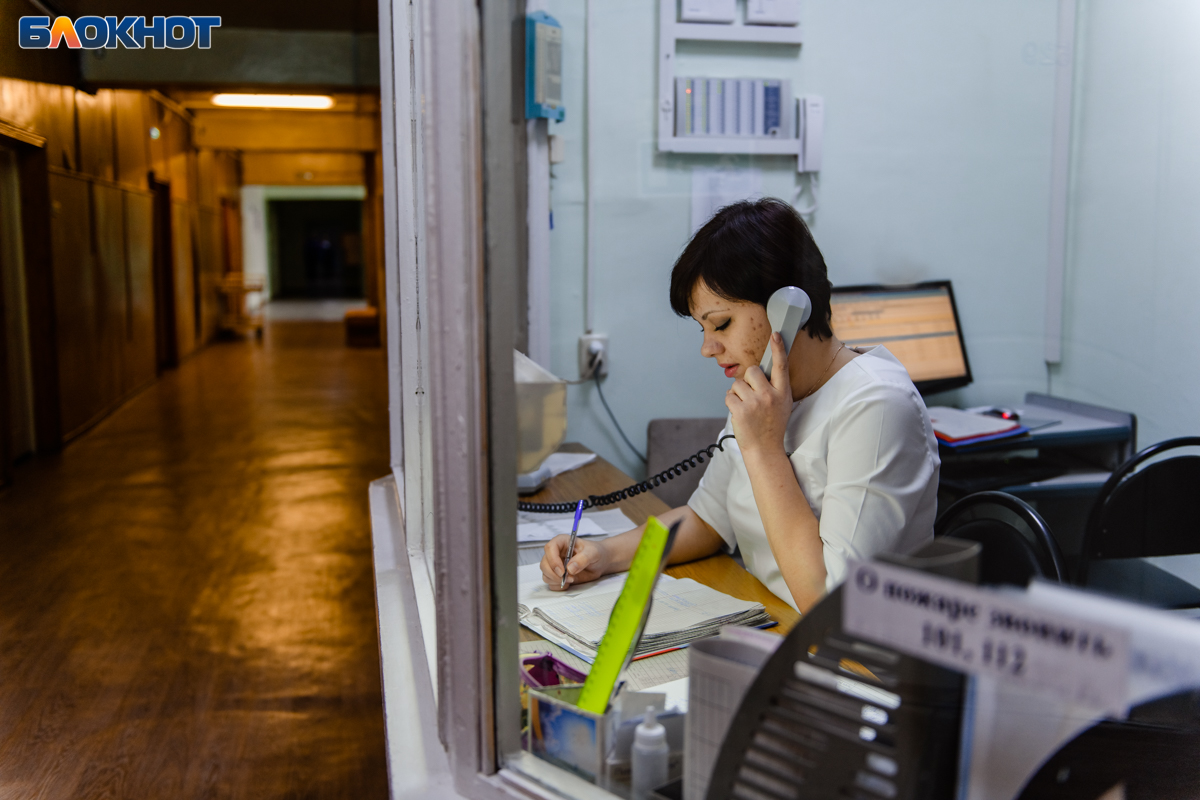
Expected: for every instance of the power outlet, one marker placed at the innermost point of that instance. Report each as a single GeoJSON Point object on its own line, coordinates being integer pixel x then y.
{"type": "Point", "coordinates": [593, 355]}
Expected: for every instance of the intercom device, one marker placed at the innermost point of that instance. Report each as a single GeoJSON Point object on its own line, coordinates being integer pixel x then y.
{"type": "Point", "coordinates": [810, 126]}
{"type": "Point", "coordinates": [787, 311]}
{"type": "Point", "coordinates": [543, 67]}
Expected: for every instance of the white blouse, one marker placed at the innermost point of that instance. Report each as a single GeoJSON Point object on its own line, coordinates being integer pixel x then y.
{"type": "Point", "coordinates": [865, 456]}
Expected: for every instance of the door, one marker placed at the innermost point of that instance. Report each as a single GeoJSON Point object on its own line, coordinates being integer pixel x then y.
{"type": "Point", "coordinates": [17, 438]}
{"type": "Point", "coordinates": [166, 346]}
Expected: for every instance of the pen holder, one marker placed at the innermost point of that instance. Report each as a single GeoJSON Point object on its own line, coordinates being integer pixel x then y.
{"type": "Point", "coordinates": [566, 735]}
{"type": "Point", "coordinates": [587, 744]}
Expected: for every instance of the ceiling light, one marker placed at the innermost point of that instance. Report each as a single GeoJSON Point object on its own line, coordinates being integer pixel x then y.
{"type": "Point", "coordinates": [310, 101]}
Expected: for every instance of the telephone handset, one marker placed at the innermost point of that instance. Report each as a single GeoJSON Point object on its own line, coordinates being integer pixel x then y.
{"type": "Point", "coordinates": [787, 311]}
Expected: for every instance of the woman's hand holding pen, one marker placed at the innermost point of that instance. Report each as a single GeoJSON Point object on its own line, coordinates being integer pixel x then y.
{"type": "Point", "coordinates": [761, 407]}
{"type": "Point", "coordinates": [589, 562]}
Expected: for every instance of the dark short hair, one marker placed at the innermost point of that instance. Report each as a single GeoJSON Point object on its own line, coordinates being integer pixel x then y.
{"type": "Point", "coordinates": [746, 252]}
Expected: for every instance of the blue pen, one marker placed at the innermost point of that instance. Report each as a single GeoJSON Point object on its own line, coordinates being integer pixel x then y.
{"type": "Point", "coordinates": [571, 546]}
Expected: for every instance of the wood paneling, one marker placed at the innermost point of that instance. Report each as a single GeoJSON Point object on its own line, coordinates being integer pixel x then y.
{"type": "Point", "coordinates": [76, 310]}
{"type": "Point", "coordinates": [112, 301]}
{"type": "Point", "coordinates": [272, 129]}
{"type": "Point", "coordinates": [185, 277]}
{"type": "Point", "coordinates": [139, 365]}
{"type": "Point", "coordinates": [96, 146]}
{"type": "Point", "coordinates": [303, 169]}
{"type": "Point", "coordinates": [132, 138]}
{"type": "Point", "coordinates": [208, 250]}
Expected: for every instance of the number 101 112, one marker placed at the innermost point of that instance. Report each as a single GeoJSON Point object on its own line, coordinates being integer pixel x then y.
{"type": "Point", "coordinates": [948, 643]}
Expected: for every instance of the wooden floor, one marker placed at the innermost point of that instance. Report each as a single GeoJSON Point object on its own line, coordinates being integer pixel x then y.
{"type": "Point", "coordinates": [186, 597]}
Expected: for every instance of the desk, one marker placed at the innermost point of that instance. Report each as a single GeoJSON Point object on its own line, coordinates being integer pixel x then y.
{"type": "Point", "coordinates": [1162, 581]}
{"type": "Point", "coordinates": [1058, 468]}
{"type": "Point", "coordinates": [719, 571]}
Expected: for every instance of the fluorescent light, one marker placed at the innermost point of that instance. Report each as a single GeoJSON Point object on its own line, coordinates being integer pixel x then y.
{"type": "Point", "coordinates": [312, 101]}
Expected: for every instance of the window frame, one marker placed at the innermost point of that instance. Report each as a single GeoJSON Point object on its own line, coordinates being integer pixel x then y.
{"type": "Point", "coordinates": [454, 159]}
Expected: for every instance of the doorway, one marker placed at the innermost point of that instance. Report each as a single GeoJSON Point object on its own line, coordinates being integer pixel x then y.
{"type": "Point", "coordinates": [17, 403]}
{"type": "Point", "coordinates": [165, 343]}
{"type": "Point", "coordinates": [316, 249]}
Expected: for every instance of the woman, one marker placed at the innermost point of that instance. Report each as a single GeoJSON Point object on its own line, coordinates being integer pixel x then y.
{"type": "Point", "coordinates": [835, 457]}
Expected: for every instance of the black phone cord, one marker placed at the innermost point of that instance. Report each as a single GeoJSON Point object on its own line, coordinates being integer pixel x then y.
{"type": "Point", "coordinates": [594, 501]}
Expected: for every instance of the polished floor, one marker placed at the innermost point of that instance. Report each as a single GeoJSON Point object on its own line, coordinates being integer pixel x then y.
{"type": "Point", "coordinates": [186, 595]}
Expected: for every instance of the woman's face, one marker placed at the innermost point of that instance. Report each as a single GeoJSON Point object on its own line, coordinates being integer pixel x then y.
{"type": "Point", "coordinates": [736, 332]}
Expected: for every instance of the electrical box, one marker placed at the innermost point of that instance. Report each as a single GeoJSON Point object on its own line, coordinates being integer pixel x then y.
{"type": "Point", "coordinates": [708, 11]}
{"type": "Point", "coordinates": [772, 12]}
{"type": "Point", "coordinates": [543, 67]}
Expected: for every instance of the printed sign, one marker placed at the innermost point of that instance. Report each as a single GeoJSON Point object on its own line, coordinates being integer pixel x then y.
{"type": "Point", "coordinates": [988, 632]}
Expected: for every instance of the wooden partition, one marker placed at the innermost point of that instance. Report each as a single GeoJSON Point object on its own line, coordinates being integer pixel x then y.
{"type": "Point", "coordinates": [89, 218]}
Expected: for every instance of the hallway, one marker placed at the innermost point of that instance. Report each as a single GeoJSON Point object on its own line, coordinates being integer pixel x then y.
{"type": "Point", "coordinates": [186, 597]}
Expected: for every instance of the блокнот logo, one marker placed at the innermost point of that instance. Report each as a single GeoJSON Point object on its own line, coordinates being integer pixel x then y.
{"type": "Point", "coordinates": [134, 33]}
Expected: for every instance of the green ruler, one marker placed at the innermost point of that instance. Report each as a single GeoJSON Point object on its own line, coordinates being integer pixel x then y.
{"type": "Point", "coordinates": [628, 617]}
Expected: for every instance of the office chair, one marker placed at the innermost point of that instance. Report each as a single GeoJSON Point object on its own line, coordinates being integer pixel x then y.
{"type": "Point", "coordinates": [1017, 543]}
{"type": "Point", "coordinates": [669, 441]}
{"type": "Point", "coordinates": [1142, 511]}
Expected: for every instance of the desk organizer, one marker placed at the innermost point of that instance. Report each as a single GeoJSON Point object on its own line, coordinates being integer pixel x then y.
{"type": "Point", "coordinates": [596, 746]}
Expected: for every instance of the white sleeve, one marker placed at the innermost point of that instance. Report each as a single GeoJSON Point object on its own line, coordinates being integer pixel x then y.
{"type": "Point", "coordinates": [709, 499]}
{"type": "Point", "coordinates": [880, 464]}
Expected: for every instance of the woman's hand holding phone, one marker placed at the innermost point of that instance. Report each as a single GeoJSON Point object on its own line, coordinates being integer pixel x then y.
{"type": "Point", "coordinates": [761, 407]}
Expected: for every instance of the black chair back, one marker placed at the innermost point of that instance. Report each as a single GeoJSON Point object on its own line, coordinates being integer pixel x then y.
{"type": "Point", "coordinates": [1151, 510]}
{"type": "Point", "coordinates": [1017, 542]}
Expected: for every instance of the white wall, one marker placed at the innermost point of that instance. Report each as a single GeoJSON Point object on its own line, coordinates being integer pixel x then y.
{"type": "Point", "coordinates": [1131, 324]}
{"type": "Point", "coordinates": [937, 155]}
{"type": "Point", "coordinates": [256, 244]}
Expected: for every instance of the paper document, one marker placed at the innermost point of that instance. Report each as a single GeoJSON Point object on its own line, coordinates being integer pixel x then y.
{"type": "Point", "coordinates": [954, 425]}
{"type": "Point", "coordinates": [558, 463]}
{"type": "Point", "coordinates": [682, 612]}
{"type": "Point", "coordinates": [533, 527]}
{"type": "Point", "coordinates": [720, 671]}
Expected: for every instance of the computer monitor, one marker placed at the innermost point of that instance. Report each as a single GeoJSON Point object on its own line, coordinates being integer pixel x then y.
{"type": "Point", "coordinates": [917, 323]}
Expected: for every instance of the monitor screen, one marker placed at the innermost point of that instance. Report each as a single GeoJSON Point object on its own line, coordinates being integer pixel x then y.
{"type": "Point", "coordinates": [918, 324]}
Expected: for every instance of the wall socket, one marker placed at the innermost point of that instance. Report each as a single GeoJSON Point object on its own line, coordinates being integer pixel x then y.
{"type": "Point", "coordinates": [593, 345]}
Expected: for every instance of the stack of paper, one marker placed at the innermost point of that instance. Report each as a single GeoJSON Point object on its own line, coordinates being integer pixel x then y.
{"type": "Point", "coordinates": [956, 428]}
{"type": "Point", "coordinates": [682, 612]}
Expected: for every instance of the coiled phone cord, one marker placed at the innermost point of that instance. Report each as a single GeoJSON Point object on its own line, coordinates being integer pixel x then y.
{"type": "Point", "coordinates": [594, 500]}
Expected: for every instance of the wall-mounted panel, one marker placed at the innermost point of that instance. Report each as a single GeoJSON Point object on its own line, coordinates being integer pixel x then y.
{"type": "Point", "coordinates": [139, 367]}
{"type": "Point", "coordinates": [76, 308]}
{"type": "Point", "coordinates": [303, 169]}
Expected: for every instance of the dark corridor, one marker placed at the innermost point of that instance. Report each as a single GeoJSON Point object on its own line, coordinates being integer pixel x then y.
{"type": "Point", "coordinates": [317, 248]}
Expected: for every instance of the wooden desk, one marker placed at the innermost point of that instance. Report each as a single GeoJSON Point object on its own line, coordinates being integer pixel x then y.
{"type": "Point", "coordinates": [719, 571]}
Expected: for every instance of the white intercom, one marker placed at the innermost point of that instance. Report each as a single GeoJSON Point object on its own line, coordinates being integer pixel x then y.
{"type": "Point", "coordinates": [787, 310]}
{"type": "Point", "coordinates": [810, 126]}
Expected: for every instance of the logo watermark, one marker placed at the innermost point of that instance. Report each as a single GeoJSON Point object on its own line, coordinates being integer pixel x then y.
{"type": "Point", "coordinates": [133, 33]}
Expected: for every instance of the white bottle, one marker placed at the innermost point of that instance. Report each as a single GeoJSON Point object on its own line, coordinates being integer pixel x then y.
{"type": "Point", "coordinates": [650, 755]}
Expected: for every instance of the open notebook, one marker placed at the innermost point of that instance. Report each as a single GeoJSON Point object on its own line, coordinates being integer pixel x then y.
{"type": "Point", "coordinates": [682, 612]}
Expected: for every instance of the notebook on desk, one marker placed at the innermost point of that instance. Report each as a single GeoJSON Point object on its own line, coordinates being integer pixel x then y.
{"type": "Point", "coordinates": [683, 611]}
